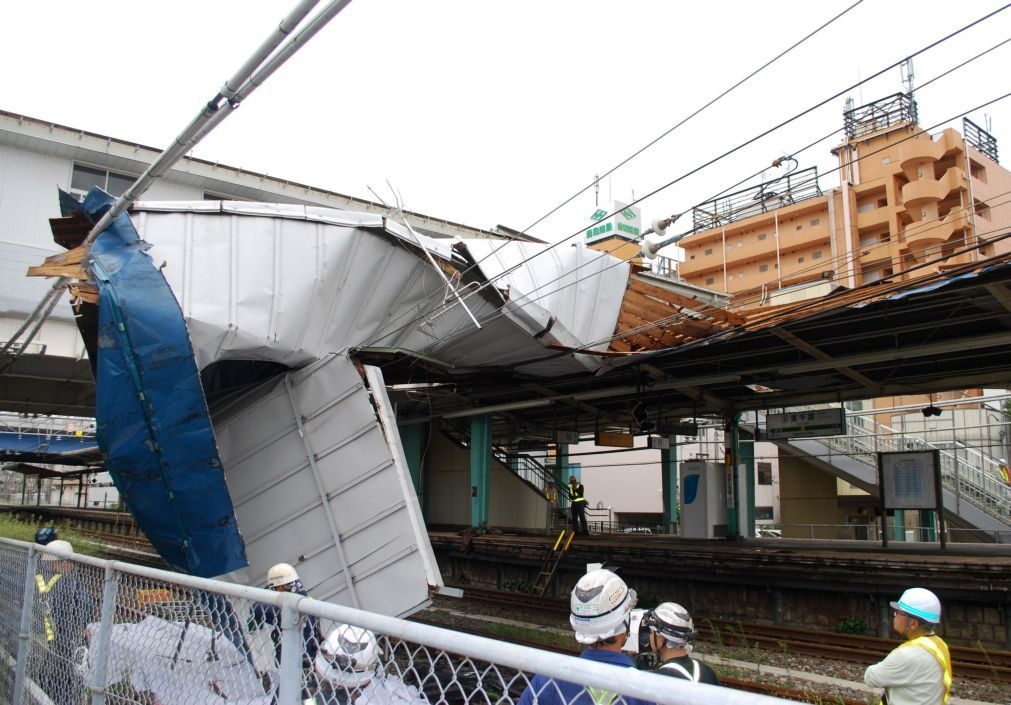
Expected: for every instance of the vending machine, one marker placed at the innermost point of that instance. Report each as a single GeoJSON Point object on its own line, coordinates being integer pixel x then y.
{"type": "Point", "coordinates": [703, 499]}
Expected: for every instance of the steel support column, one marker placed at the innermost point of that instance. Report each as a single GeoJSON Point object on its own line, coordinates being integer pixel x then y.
{"type": "Point", "coordinates": [899, 524]}
{"type": "Point", "coordinates": [927, 521]}
{"type": "Point", "coordinates": [669, 485]}
{"type": "Point", "coordinates": [480, 469]}
{"type": "Point", "coordinates": [561, 472]}
{"type": "Point", "coordinates": [746, 451]}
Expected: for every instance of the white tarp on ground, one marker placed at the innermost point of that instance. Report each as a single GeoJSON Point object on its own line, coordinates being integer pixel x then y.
{"type": "Point", "coordinates": [182, 663]}
{"type": "Point", "coordinates": [315, 483]}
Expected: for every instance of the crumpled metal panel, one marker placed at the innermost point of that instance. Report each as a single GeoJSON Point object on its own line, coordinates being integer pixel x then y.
{"type": "Point", "coordinates": [580, 288]}
{"type": "Point", "coordinates": [153, 427]}
{"type": "Point", "coordinates": [318, 485]}
{"type": "Point", "coordinates": [289, 284]}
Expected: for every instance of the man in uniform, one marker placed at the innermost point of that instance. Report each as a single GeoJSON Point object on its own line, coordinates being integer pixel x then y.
{"type": "Point", "coordinates": [918, 671]}
{"type": "Point", "coordinates": [284, 578]}
{"type": "Point", "coordinates": [63, 610]}
{"type": "Point", "coordinates": [600, 606]}
{"type": "Point", "coordinates": [577, 506]}
{"type": "Point", "coordinates": [671, 635]}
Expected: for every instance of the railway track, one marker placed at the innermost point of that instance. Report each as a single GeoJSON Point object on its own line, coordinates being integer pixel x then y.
{"type": "Point", "coordinates": [735, 683]}
{"type": "Point", "coordinates": [966, 662]}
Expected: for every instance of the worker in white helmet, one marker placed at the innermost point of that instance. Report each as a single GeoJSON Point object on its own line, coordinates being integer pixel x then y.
{"type": "Point", "coordinates": [672, 636]}
{"type": "Point", "coordinates": [283, 577]}
{"type": "Point", "coordinates": [349, 671]}
{"type": "Point", "coordinates": [600, 605]}
{"type": "Point", "coordinates": [918, 672]}
{"type": "Point", "coordinates": [62, 612]}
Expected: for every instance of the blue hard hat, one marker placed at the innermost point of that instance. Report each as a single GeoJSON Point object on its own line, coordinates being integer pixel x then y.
{"type": "Point", "coordinates": [45, 535]}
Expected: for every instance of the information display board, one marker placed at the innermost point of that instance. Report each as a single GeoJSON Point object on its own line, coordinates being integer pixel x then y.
{"type": "Point", "coordinates": [908, 480]}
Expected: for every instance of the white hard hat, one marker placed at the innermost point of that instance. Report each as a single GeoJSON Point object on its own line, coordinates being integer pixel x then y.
{"type": "Point", "coordinates": [281, 574]}
{"type": "Point", "coordinates": [920, 603]}
{"type": "Point", "coordinates": [62, 548]}
{"type": "Point", "coordinates": [600, 604]}
{"type": "Point", "coordinates": [672, 621]}
{"type": "Point", "coordinates": [348, 657]}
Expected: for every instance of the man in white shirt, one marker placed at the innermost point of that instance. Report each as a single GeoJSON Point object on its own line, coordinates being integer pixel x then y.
{"type": "Point", "coordinates": [918, 671]}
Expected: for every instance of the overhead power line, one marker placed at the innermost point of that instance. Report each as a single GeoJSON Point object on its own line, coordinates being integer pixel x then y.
{"type": "Point", "coordinates": [383, 332]}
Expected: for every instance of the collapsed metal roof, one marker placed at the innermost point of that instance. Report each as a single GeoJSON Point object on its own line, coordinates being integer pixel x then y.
{"type": "Point", "coordinates": [540, 337]}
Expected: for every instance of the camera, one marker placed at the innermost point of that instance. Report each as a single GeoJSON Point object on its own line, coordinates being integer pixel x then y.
{"type": "Point", "coordinates": [637, 642]}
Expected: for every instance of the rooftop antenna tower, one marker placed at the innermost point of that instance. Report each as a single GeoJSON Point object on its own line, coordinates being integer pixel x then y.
{"type": "Point", "coordinates": [906, 70]}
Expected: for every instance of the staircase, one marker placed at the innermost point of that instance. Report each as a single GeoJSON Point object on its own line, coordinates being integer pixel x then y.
{"type": "Point", "coordinates": [529, 470]}
{"type": "Point", "coordinates": [975, 496]}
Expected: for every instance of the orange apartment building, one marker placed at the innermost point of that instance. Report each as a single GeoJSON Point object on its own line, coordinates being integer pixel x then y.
{"type": "Point", "coordinates": [907, 201]}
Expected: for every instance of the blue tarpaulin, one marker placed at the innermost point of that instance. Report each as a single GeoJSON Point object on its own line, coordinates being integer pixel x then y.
{"type": "Point", "coordinates": [153, 426]}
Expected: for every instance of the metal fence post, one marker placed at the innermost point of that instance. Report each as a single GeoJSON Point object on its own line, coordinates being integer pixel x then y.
{"type": "Point", "coordinates": [25, 628]}
{"type": "Point", "coordinates": [98, 673]}
{"type": "Point", "coordinates": [290, 687]}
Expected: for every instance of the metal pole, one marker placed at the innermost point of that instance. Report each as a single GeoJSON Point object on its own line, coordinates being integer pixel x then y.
{"type": "Point", "coordinates": [25, 627]}
{"type": "Point", "coordinates": [210, 116]}
{"type": "Point", "coordinates": [291, 652]}
{"type": "Point", "coordinates": [98, 673]}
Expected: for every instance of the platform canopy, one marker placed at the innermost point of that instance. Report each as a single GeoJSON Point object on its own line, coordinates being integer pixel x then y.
{"type": "Point", "coordinates": [50, 449]}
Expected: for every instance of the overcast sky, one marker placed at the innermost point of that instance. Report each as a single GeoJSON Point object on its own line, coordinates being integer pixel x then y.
{"type": "Point", "coordinates": [487, 112]}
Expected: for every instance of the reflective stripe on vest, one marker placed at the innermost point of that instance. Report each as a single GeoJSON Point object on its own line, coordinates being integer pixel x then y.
{"type": "Point", "coordinates": [693, 676]}
{"type": "Point", "coordinates": [576, 493]}
{"type": "Point", "coordinates": [42, 587]}
{"type": "Point", "coordinates": [936, 647]}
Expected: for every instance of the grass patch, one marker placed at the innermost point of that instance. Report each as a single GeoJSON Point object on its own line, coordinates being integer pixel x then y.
{"type": "Point", "coordinates": [11, 528]}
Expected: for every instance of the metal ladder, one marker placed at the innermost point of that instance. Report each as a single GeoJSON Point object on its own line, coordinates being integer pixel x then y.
{"type": "Point", "coordinates": [551, 562]}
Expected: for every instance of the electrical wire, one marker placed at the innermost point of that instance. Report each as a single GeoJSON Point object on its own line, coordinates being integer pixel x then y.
{"type": "Point", "coordinates": [381, 332]}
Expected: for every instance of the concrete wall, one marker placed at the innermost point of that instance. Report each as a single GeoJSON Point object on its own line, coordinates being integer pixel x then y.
{"type": "Point", "coordinates": [447, 491]}
{"type": "Point", "coordinates": [807, 496]}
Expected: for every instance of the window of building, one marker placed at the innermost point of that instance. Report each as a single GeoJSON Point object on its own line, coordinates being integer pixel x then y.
{"type": "Point", "coordinates": [816, 254]}
{"type": "Point", "coordinates": [886, 160]}
{"type": "Point", "coordinates": [764, 513]}
{"type": "Point", "coordinates": [977, 171]}
{"type": "Point", "coordinates": [709, 251]}
{"type": "Point", "coordinates": [800, 227]}
{"type": "Point", "coordinates": [692, 257]}
{"type": "Point", "coordinates": [800, 260]}
{"type": "Point", "coordinates": [762, 236]}
{"type": "Point", "coordinates": [709, 281]}
{"type": "Point", "coordinates": [983, 210]}
{"type": "Point", "coordinates": [740, 275]}
{"type": "Point", "coordinates": [84, 177]}
{"type": "Point", "coordinates": [763, 268]}
{"type": "Point", "coordinates": [764, 473]}
{"type": "Point", "coordinates": [816, 221]}
{"type": "Point", "coordinates": [866, 207]}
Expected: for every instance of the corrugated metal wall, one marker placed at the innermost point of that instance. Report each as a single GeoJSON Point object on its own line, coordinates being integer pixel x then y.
{"type": "Point", "coordinates": [28, 197]}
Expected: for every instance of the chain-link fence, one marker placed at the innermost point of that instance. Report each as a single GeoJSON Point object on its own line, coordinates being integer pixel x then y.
{"type": "Point", "coordinates": [75, 629]}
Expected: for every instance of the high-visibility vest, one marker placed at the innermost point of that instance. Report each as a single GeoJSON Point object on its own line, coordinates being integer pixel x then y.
{"type": "Point", "coordinates": [576, 493]}
{"type": "Point", "coordinates": [936, 647]}
{"type": "Point", "coordinates": [693, 676]}
{"type": "Point", "coordinates": [43, 587]}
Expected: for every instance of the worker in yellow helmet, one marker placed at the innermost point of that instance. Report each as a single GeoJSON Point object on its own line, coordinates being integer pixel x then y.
{"type": "Point", "coordinates": [918, 672]}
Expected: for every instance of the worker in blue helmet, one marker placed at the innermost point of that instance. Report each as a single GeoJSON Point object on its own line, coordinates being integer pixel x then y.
{"type": "Point", "coordinates": [45, 535]}
{"type": "Point", "coordinates": [918, 671]}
